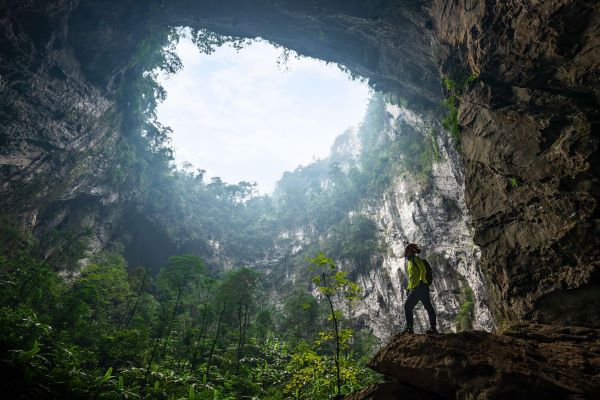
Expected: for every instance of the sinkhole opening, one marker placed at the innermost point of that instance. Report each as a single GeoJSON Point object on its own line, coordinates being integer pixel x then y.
{"type": "Point", "coordinates": [249, 110]}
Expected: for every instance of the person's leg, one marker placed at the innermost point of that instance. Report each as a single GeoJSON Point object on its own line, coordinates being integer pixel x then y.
{"type": "Point", "coordinates": [426, 300]}
{"type": "Point", "coordinates": [411, 302]}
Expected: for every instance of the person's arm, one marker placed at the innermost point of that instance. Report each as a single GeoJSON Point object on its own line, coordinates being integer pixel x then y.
{"type": "Point", "coordinates": [424, 271]}
{"type": "Point", "coordinates": [427, 265]}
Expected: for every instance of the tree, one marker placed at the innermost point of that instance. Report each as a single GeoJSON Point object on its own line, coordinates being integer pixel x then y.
{"type": "Point", "coordinates": [203, 325]}
{"type": "Point", "coordinates": [181, 272]}
{"type": "Point", "coordinates": [334, 285]}
{"type": "Point", "coordinates": [239, 287]}
{"type": "Point", "coordinates": [300, 314]}
{"type": "Point", "coordinates": [140, 278]}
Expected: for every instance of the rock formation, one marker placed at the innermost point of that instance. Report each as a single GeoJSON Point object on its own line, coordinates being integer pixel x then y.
{"type": "Point", "coordinates": [526, 361]}
{"type": "Point", "coordinates": [530, 152]}
{"type": "Point", "coordinates": [434, 215]}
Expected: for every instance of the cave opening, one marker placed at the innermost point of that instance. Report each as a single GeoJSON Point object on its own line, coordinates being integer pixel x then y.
{"type": "Point", "coordinates": [249, 112]}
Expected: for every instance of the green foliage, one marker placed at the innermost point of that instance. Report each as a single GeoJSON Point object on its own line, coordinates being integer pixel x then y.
{"type": "Point", "coordinates": [466, 314]}
{"type": "Point", "coordinates": [300, 316]}
{"type": "Point", "coordinates": [207, 41]}
{"type": "Point", "coordinates": [111, 333]}
{"type": "Point", "coordinates": [514, 182]}
{"type": "Point", "coordinates": [450, 121]}
{"type": "Point", "coordinates": [408, 153]}
{"type": "Point", "coordinates": [353, 75]}
{"type": "Point", "coordinates": [336, 288]}
{"type": "Point", "coordinates": [356, 240]}
{"type": "Point", "coordinates": [417, 153]}
{"type": "Point", "coordinates": [181, 271]}
{"type": "Point", "coordinates": [455, 90]}
{"type": "Point", "coordinates": [311, 375]}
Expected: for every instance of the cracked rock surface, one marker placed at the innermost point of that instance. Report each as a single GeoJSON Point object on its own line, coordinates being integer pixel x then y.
{"type": "Point", "coordinates": [526, 361]}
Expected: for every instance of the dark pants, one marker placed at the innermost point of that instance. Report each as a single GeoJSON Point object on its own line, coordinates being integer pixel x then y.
{"type": "Point", "coordinates": [420, 293]}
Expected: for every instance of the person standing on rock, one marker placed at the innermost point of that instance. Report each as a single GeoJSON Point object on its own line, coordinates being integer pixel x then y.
{"type": "Point", "coordinates": [419, 279]}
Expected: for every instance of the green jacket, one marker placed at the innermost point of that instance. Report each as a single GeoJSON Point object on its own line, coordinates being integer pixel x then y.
{"type": "Point", "coordinates": [416, 271]}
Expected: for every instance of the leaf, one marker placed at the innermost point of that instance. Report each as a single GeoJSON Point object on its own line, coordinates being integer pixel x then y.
{"type": "Point", "coordinates": [156, 386]}
{"type": "Point", "coordinates": [30, 353]}
{"type": "Point", "coordinates": [106, 376]}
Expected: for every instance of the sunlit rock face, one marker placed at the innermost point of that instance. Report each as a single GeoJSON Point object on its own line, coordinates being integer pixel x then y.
{"type": "Point", "coordinates": [529, 122]}
{"type": "Point", "coordinates": [428, 209]}
{"type": "Point", "coordinates": [432, 214]}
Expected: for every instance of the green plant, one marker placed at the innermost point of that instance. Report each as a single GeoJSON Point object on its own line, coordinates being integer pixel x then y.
{"type": "Point", "coordinates": [466, 313]}
{"type": "Point", "coordinates": [333, 284]}
{"type": "Point", "coordinates": [455, 90]}
{"type": "Point", "coordinates": [450, 121]}
{"type": "Point", "coordinates": [514, 182]}
{"type": "Point", "coordinates": [435, 147]}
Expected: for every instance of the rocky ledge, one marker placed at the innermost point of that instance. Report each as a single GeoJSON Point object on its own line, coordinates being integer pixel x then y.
{"type": "Point", "coordinates": [525, 362]}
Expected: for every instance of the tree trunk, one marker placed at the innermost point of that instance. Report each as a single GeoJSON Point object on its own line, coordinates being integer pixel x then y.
{"type": "Point", "coordinates": [179, 290]}
{"type": "Point", "coordinates": [127, 320]}
{"type": "Point", "coordinates": [337, 340]}
{"type": "Point", "coordinates": [203, 329]}
{"type": "Point", "coordinates": [214, 343]}
{"type": "Point", "coordinates": [156, 344]}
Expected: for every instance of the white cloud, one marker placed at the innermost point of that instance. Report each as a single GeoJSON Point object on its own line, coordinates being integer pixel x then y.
{"type": "Point", "coordinates": [240, 117]}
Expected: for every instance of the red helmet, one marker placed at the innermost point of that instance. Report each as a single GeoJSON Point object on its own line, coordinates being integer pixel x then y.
{"type": "Point", "coordinates": [412, 247]}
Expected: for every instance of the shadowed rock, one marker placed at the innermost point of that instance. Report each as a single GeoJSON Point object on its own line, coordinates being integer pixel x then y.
{"type": "Point", "coordinates": [527, 361]}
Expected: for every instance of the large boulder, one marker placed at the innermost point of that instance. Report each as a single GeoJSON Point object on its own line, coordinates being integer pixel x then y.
{"type": "Point", "coordinates": [525, 362]}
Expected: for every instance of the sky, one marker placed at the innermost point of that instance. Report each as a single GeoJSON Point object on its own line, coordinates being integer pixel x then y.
{"type": "Point", "coordinates": [240, 116]}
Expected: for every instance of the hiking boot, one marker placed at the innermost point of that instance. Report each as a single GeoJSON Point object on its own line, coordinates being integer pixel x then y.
{"type": "Point", "coordinates": [407, 330]}
{"type": "Point", "coordinates": [431, 331]}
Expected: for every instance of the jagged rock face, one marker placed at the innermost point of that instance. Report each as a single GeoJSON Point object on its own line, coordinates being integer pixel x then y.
{"type": "Point", "coordinates": [58, 132]}
{"type": "Point", "coordinates": [527, 361]}
{"type": "Point", "coordinates": [531, 117]}
{"type": "Point", "coordinates": [530, 147]}
{"type": "Point", "coordinates": [433, 214]}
